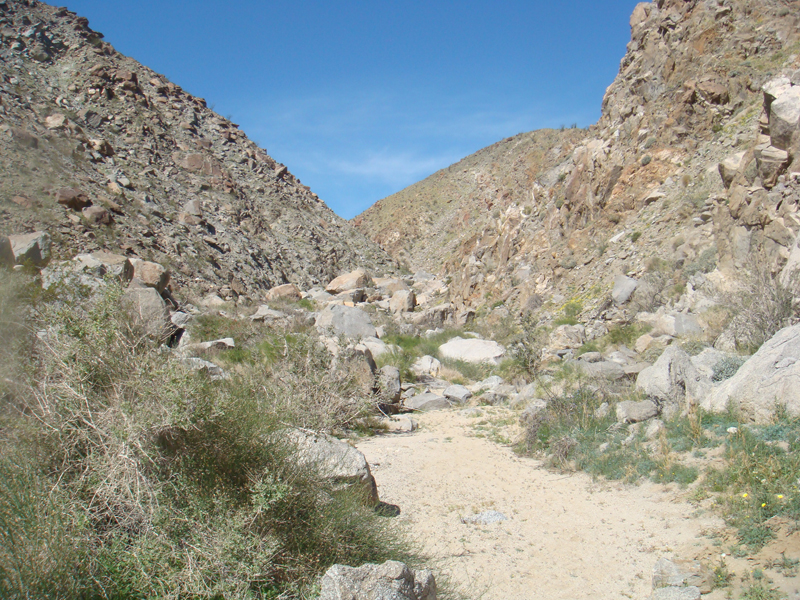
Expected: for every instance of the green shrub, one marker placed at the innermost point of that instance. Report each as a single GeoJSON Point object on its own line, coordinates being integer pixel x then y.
{"type": "Point", "coordinates": [125, 475]}
{"type": "Point", "coordinates": [727, 367]}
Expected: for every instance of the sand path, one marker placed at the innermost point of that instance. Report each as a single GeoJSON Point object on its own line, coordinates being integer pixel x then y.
{"type": "Point", "coordinates": [566, 537]}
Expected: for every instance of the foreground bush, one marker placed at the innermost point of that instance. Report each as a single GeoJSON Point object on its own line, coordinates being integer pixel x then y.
{"type": "Point", "coordinates": [125, 475]}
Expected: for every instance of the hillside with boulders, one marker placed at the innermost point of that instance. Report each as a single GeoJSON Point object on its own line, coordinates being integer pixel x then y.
{"type": "Point", "coordinates": [101, 153]}
{"type": "Point", "coordinates": [692, 156]}
{"type": "Point", "coordinates": [577, 372]}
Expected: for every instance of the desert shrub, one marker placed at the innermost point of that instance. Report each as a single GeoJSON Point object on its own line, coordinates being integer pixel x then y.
{"type": "Point", "coordinates": [762, 305]}
{"type": "Point", "coordinates": [726, 367]}
{"type": "Point", "coordinates": [125, 475]}
{"type": "Point", "coordinates": [526, 349]}
{"type": "Point", "coordinates": [705, 263]}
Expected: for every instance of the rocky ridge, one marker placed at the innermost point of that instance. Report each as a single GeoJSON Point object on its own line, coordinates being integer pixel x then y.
{"type": "Point", "coordinates": [102, 153]}
{"type": "Point", "coordinates": [691, 155]}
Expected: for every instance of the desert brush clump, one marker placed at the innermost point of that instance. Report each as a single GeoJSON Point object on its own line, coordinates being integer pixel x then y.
{"type": "Point", "coordinates": [124, 474]}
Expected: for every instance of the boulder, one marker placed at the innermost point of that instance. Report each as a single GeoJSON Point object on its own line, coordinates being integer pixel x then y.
{"type": "Point", "coordinates": [147, 310]}
{"type": "Point", "coordinates": [349, 281]}
{"type": "Point", "coordinates": [338, 461]}
{"type": "Point", "coordinates": [97, 215]}
{"type": "Point", "coordinates": [401, 424]}
{"type": "Point", "coordinates": [426, 401]}
{"type": "Point", "coordinates": [403, 301]}
{"type": "Point", "coordinates": [636, 412]}
{"type": "Point", "coordinates": [33, 248]}
{"type": "Point", "coordinates": [377, 346]}
{"type": "Point", "coordinates": [565, 337]}
{"type": "Point", "coordinates": [102, 263]}
{"type": "Point", "coordinates": [390, 581]}
{"type": "Point", "coordinates": [673, 382]}
{"type": "Point", "coordinates": [348, 321]}
{"type": "Point", "coordinates": [389, 384]}
{"type": "Point", "coordinates": [426, 365]}
{"type": "Point", "coordinates": [729, 168]}
{"type": "Point", "coordinates": [472, 351]}
{"type": "Point", "coordinates": [770, 378]}
{"type": "Point", "coordinates": [604, 369]}
{"type": "Point", "coordinates": [458, 394]}
{"type": "Point", "coordinates": [360, 366]}
{"type": "Point", "coordinates": [623, 289]}
{"type": "Point", "coordinates": [673, 324]}
{"type": "Point", "coordinates": [55, 121]}
{"type": "Point", "coordinates": [203, 347]}
{"type": "Point", "coordinates": [72, 198]}
{"type": "Point", "coordinates": [150, 274]}
{"type": "Point", "coordinates": [782, 100]}
{"type": "Point", "coordinates": [6, 252]}
{"type": "Point", "coordinates": [771, 163]}
{"type": "Point", "coordinates": [288, 291]}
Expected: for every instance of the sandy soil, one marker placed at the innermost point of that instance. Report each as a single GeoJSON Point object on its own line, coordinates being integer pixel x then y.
{"type": "Point", "coordinates": [566, 537]}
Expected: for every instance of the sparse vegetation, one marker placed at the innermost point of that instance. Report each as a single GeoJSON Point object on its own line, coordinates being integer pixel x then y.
{"type": "Point", "coordinates": [125, 475]}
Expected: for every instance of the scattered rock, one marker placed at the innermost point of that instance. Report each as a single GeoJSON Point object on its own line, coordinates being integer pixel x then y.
{"type": "Point", "coordinates": [150, 274]}
{"type": "Point", "coordinates": [403, 301]}
{"type": "Point", "coordinates": [104, 263]}
{"type": "Point", "coordinates": [389, 384]}
{"type": "Point", "coordinates": [674, 382]}
{"type": "Point", "coordinates": [390, 581]}
{"type": "Point", "coordinates": [676, 593]}
{"type": "Point", "coordinates": [682, 573]}
{"type": "Point", "coordinates": [288, 291]}
{"type": "Point", "coordinates": [33, 248]}
{"type": "Point", "coordinates": [72, 198]}
{"type": "Point", "coordinates": [213, 371]}
{"type": "Point", "coordinates": [6, 252]}
{"type": "Point", "coordinates": [97, 215]}
{"type": "Point", "coordinates": [148, 310]}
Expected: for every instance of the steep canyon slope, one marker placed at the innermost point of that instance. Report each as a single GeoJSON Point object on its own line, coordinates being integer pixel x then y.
{"type": "Point", "coordinates": [550, 211]}
{"type": "Point", "coordinates": [102, 153]}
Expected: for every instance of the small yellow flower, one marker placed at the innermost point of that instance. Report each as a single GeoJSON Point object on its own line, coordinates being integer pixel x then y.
{"type": "Point", "coordinates": [763, 504]}
{"type": "Point", "coordinates": [780, 496]}
{"type": "Point", "coordinates": [744, 495]}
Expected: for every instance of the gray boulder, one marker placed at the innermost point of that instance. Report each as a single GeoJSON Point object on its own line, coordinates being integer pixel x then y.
{"type": "Point", "coordinates": [567, 336]}
{"type": "Point", "coordinates": [636, 412]}
{"type": "Point", "coordinates": [389, 384]}
{"type": "Point", "coordinates": [458, 394]}
{"type": "Point", "coordinates": [674, 382]}
{"type": "Point", "coordinates": [770, 378]}
{"type": "Point", "coordinates": [31, 247]}
{"type": "Point", "coordinates": [348, 321]}
{"type": "Point", "coordinates": [147, 310]}
{"type": "Point", "coordinates": [623, 289]}
{"type": "Point", "coordinates": [390, 581]}
{"type": "Point", "coordinates": [426, 401]}
{"type": "Point", "coordinates": [338, 461]}
{"type": "Point", "coordinates": [426, 365]}
{"type": "Point", "coordinates": [605, 369]}
{"type": "Point", "coordinates": [472, 351]}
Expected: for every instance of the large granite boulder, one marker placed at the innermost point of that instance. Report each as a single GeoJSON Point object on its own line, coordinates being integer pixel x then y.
{"type": "Point", "coordinates": [33, 248]}
{"type": "Point", "coordinates": [769, 379]}
{"type": "Point", "coordinates": [673, 382]}
{"type": "Point", "coordinates": [338, 461]}
{"type": "Point", "coordinates": [349, 281]}
{"type": "Point", "coordinates": [472, 351]}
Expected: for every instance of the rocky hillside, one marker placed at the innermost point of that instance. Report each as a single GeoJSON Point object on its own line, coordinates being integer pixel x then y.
{"type": "Point", "coordinates": [689, 162]}
{"type": "Point", "coordinates": [102, 153]}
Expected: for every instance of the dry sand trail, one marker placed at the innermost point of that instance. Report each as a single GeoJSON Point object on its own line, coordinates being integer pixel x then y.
{"type": "Point", "coordinates": [566, 537]}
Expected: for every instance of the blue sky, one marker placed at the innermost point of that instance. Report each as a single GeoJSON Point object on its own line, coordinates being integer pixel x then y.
{"type": "Point", "coordinates": [361, 98]}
